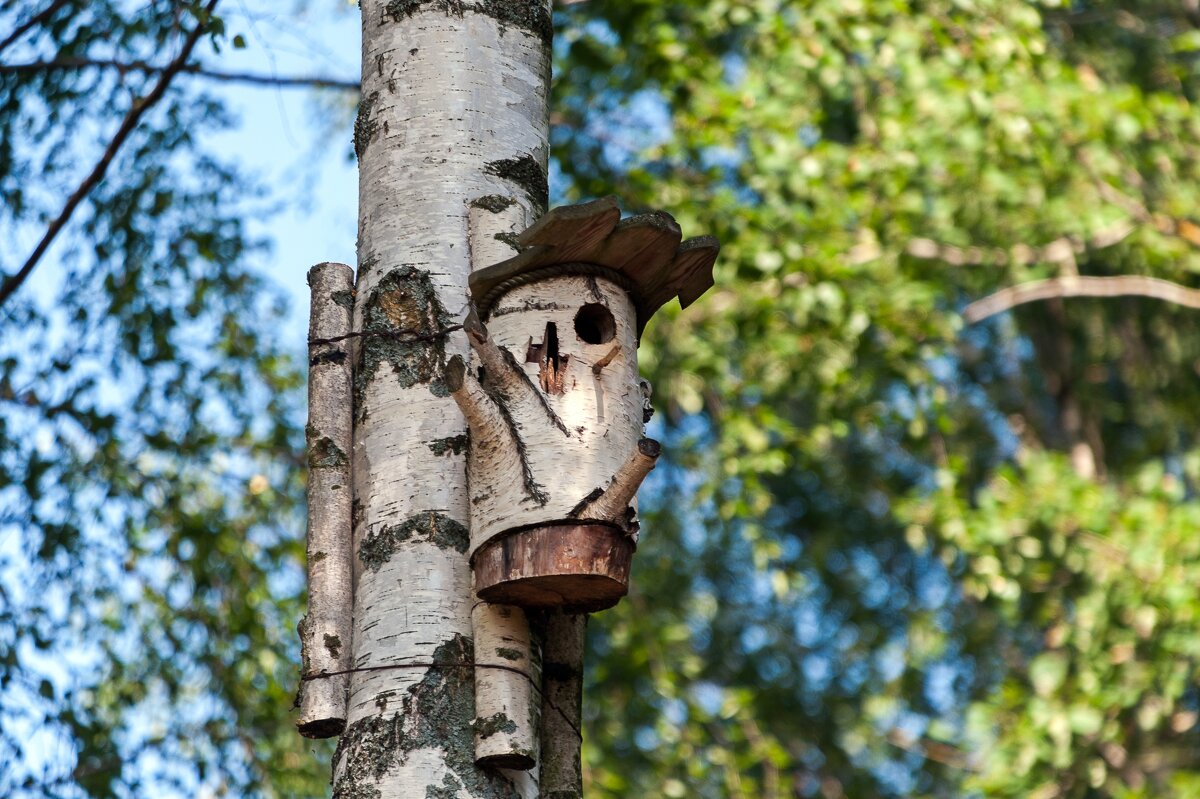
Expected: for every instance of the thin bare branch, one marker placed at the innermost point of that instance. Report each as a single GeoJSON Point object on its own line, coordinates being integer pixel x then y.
{"type": "Point", "coordinates": [128, 125]}
{"type": "Point", "coordinates": [36, 19]}
{"type": "Point", "coordinates": [1060, 251]}
{"type": "Point", "coordinates": [1077, 286]}
{"type": "Point", "coordinates": [251, 78]}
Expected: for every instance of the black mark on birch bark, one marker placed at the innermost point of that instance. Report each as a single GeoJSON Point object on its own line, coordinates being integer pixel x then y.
{"type": "Point", "coordinates": [528, 305]}
{"type": "Point", "coordinates": [525, 172]}
{"type": "Point", "coordinates": [436, 528]}
{"type": "Point", "coordinates": [529, 16]}
{"type": "Point", "coordinates": [365, 266]}
{"type": "Point", "coordinates": [435, 713]}
{"type": "Point", "coordinates": [496, 723]}
{"type": "Point", "coordinates": [329, 356]}
{"type": "Point", "coordinates": [334, 644]}
{"type": "Point", "coordinates": [533, 489]}
{"type": "Point", "coordinates": [405, 299]}
{"type": "Point", "coordinates": [583, 503]}
{"type": "Point", "coordinates": [454, 444]}
{"type": "Point", "coordinates": [364, 125]}
{"type": "Point", "coordinates": [322, 452]}
{"type": "Point", "coordinates": [493, 202]}
{"type": "Point", "coordinates": [511, 239]}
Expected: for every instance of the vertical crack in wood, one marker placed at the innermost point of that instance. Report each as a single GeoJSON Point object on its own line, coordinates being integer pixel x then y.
{"type": "Point", "coordinates": [553, 362]}
{"type": "Point", "coordinates": [554, 418]}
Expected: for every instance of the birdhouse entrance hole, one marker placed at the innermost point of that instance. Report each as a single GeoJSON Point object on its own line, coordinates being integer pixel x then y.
{"type": "Point", "coordinates": [594, 324]}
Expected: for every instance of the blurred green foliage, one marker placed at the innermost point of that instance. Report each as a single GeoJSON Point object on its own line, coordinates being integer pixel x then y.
{"type": "Point", "coordinates": [874, 567]}
{"type": "Point", "coordinates": [892, 554]}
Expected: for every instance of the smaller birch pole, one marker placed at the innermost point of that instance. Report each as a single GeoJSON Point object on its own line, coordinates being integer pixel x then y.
{"type": "Point", "coordinates": [507, 667]}
{"type": "Point", "coordinates": [562, 709]}
{"type": "Point", "coordinates": [325, 632]}
{"type": "Point", "coordinates": [508, 661]}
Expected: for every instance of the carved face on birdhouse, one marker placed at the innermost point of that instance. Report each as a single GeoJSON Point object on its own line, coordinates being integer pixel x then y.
{"type": "Point", "coordinates": [556, 407]}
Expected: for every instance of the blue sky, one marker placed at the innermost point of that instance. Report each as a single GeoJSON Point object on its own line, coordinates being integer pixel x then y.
{"type": "Point", "coordinates": [297, 141]}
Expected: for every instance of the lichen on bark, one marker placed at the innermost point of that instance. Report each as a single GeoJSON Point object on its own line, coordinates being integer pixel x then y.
{"type": "Point", "coordinates": [403, 324]}
{"type": "Point", "coordinates": [322, 452]}
{"type": "Point", "coordinates": [493, 202]}
{"type": "Point", "coordinates": [364, 125]}
{"type": "Point", "coordinates": [493, 724]}
{"type": "Point", "coordinates": [435, 713]}
{"type": "Point", "coordinates": [531, 16]}
{"type": "Point", "coordinates": [437, 528]}
{"type": "Point", "coordinates": [454, 444]}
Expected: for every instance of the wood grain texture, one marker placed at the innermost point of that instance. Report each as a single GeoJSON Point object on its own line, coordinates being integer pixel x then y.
{"type": "Point", "coordinates": [580, 567]}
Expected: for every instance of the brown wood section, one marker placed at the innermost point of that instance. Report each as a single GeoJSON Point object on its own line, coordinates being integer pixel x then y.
{"type": "Point", "coordinates": [579, 567]}
{"type": "Point", "coordinates": [511, 761]}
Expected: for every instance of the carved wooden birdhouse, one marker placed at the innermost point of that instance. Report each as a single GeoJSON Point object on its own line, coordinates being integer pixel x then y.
{"type": "Point", "coordinates": [555, 404]}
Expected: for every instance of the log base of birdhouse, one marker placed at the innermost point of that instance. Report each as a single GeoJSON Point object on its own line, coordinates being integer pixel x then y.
{"type": "Point", "coordinates": [577, 567]}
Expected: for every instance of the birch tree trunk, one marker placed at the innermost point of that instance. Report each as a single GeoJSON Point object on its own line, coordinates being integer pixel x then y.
{"type": "Point", "coordinates": [453, 117]}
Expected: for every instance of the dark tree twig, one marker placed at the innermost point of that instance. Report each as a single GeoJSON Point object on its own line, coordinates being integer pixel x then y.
{"type": "Point", "coordinates": [255, 79]}
{"type": "Point", "coordinates": [137, 110]}
{"type": "Point", "coordinates": [36, 19]}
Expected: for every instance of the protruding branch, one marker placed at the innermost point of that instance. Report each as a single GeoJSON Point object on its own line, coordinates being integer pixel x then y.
{"type": "Point", "coordinates": [612, 503]}
{"type": "Point", "coordinates": [599, 365]}
{"type": "Point", "coordinates": [1077, 286]}
{"type": "Point", "coordinates": [487, 424]}
{"type": "Point", "coordinates": [505, 375]}
{"type": "Point", "coordinates": [325, 632]}
{"type": "Point", "coordinates": [562, 708]}
{"type": "Point", "coordinates": [495, 443]}
{"type": "Point", "coordinates": [506, 716]}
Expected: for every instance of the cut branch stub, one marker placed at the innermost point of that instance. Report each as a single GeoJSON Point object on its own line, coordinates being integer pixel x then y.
{"type": "Point", "coordinates": [555, 404]}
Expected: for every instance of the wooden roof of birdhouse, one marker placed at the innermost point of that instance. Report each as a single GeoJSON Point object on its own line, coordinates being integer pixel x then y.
{"type": "Point", "coordinates": [644, 254]}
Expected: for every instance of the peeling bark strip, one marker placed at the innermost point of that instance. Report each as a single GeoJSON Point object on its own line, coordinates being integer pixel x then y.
{"type": "Point", "coordinates": [562, 711]}
{"type": "Point", "coordinates": [322, 701]}
{"type": "Point", "coordinates": [453, 86]}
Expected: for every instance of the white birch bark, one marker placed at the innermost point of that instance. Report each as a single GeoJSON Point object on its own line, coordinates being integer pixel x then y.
{"type": "Point", "coordinates": [508, 666]}
{"type": "Point", "coordinates": [574, 440]}
{"type": "Point", "coordinates": [325, 632]}
{"type": "Point", "coordinates": [454, 109]}
{"type": "Point", "coordinates": [508, 662]}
